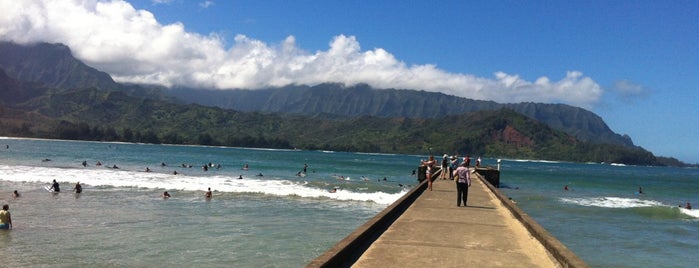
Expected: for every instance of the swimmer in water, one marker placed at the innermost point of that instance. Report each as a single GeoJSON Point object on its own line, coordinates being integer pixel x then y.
{"type": "Point", "coordinates": [78, 188]}
{"type": "Point", "coordinates": [5, 218]}
{"type": "Point", "coordinates": [55, 187]}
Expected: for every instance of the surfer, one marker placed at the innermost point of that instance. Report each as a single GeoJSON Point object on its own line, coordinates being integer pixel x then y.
{"type": "Point", "coordinates": [565, 187]}
{"type": "Point", "coordinates": [5, 217]}
{"type": "Point", "coordinates": [55, 187]}
{"type": "Point", "coordinates": [165, 195]}
{"type": "Point", "coordinates": [688, 206]}
{"type": "Point", "coordinates": [334, 190]}
{"type": "Point", "coordinates": [640, 190]}
{"type": "Point", "coordinates": [208, 193]}
{"type": "Point", "coordinates": [246, 167]}
{"type": "Point", "coordinates": [241, 177]}
{"type": "Point", "coordinates": [15, 194]}
{"type": "Point", "coordinates": [78, 188]}
{"type": "Point", "coordinates": [84, 163]}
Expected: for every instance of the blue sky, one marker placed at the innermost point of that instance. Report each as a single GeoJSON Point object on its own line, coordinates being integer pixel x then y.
{"type": "Point", "coordinates": [634, 63]}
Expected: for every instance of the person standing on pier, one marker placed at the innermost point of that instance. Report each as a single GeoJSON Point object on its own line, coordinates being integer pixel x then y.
{"type": "Point", "coordinates": [429, 164]}
{"type": "Point", "coordinates": [463, 181]}
{"type": "Point", "coordinates": [453, 165]}
{"type": "Point", "coordinates": [445, 167]}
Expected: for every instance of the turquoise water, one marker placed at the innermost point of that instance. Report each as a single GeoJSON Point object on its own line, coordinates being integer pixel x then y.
{"type": "Point", "coordinates": [603, 219]}
{"type": "Point", "coordinates": [281, 219]}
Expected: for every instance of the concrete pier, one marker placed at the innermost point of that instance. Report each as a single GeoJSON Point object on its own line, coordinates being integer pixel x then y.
{"type": "Point", "coordinates": [427, 229]}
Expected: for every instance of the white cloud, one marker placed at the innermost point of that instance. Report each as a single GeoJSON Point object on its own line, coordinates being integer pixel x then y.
{"type": "Point", "coordinates": [160, 2]}
{"type": "Point", "coordinates": [206, 4]}
{"type": "Point", "coordinates": [628, 91]}
{"type": "Point", "coordinates": [133, 46]}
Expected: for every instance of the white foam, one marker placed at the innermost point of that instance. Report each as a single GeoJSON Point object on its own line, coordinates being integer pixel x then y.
{"type": "Point", "coordinates": [152, 180]}
{"type": "Point", "coordinates": [690, 212]}
{"type": "Point", "coordinates": [533, 161]}
{"type": "Point", "coordinates": [611, 202]}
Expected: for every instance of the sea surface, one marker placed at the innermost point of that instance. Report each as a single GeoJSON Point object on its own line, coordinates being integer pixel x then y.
{"type": "Point", "coordinates": [274, 215]}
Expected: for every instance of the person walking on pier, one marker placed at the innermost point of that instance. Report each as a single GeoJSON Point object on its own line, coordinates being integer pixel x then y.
{"type": "Point", "coordinates": [445, 167]}
{"type": "Point", "coordinates": [463, 181]}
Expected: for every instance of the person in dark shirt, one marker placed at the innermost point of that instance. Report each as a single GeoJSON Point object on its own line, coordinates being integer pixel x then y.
{"type": "Point", "coordinates": [78, 188]}
{"type": "Point", "coordinates": [55, 187]}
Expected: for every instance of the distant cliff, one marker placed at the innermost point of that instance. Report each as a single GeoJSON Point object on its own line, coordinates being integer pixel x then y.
{"type": "Point", "coordinates": [338, 100]}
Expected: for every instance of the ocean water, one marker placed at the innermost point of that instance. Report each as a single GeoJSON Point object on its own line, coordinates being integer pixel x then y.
{"type": "Point", "coordinates": [603, 218]}
{"type": "Point", "coordinates": [281, 219]}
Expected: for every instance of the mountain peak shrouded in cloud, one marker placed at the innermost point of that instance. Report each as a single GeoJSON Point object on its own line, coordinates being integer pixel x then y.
{"type": "Point", "coordinates": [132, 46]}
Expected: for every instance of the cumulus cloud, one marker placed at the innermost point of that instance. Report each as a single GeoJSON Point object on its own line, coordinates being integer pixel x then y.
{"type": "Point", "coordinates": [133, 46]}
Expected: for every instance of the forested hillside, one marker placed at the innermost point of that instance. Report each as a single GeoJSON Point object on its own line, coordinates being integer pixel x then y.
{"type": "Point", "coordinates": [62, 98]}
{"type": "Point", "coordinates": [349, 101]}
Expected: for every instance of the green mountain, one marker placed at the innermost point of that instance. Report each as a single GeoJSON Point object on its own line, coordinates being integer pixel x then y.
{"type": "Point", "coordinates": [92, 114]}
{"type": "Point", "coordinates": [339, 101]}
{"type": "Point", "coordinates": [52, 65]}
{"type": "Point", "coordinates": [131, 113]}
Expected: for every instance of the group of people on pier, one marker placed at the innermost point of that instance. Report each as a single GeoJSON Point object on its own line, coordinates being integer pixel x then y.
{"type": "Point", "coordinates": [453, 169]}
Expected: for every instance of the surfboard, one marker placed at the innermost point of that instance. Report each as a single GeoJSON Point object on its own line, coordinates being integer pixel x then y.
{"type": "Point", "coordinates": [48, 188]}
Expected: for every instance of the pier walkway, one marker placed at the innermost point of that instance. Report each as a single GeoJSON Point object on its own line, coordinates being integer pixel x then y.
{"type": "Point", "coordinates": [433, 232]}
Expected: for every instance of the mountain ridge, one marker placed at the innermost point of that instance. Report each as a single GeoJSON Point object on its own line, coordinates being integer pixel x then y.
{"type": "Point", "coordinates": [29, 63]}
{"type": "Point", "coordinates": [339, 100]}
{"type": "Point", "coordinates": [136, 113]}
